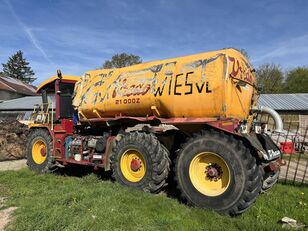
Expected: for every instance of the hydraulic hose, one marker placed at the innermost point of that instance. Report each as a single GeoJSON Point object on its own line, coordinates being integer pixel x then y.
{"type": "Point", "coordinates": [273, 114]}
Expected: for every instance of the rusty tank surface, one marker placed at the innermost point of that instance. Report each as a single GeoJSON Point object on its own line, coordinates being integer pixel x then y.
{"type": "Point", "coordinates": [212, 84]}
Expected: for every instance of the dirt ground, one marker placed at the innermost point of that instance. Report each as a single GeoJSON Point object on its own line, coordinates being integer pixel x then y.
{"type": "Point", "coordinates": [6, 217]}
{"type": "Point", "coordinates": [13, 136]}
{"type": "Point", "coordinates": [13, 165]}
{"type": "Point", "coordinates": [5, 214]}
{"type": "Point", "coordinates": [297, 171]}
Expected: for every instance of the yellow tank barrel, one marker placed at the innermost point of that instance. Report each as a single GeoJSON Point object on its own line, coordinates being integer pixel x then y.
{"type": "Point", "coordinates": [211, 84]}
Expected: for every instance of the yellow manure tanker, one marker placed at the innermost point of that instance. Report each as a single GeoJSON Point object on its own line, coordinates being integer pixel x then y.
{"type": "Point", "coordinates": [190, 121]}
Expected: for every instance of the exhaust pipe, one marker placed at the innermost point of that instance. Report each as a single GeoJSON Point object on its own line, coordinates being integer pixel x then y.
{"type": "Point", "coordinates": [273, 114]}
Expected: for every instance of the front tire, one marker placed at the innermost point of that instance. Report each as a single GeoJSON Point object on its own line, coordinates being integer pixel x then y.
{"type": "Point", "coordinates": [140, 160]}
{"type": "Point", "coordinates": [214, 170]}
{"type": "Point", "coordinates": [39, 152]}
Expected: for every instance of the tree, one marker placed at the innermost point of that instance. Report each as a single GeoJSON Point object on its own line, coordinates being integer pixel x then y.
{"type": "Point", "coordinates": [270, 78]}
{"type": "Point", "coordinates": [122, 60]}
{"type": "Point", "coordinates": [245, 53]}
{"type": "Point", "coordinates": [18, 68]}
{"type": "Point", "coordinates": [297, 81]}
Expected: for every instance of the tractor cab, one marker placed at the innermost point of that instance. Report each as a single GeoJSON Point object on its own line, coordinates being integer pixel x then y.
{"type": "Point", "coordinates": [56, 104]}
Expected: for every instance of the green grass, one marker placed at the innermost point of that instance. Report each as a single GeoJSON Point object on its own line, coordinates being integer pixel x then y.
{"type": "Point", "coordinates": [295, 156]}
{"type": "Point", "coordinates": [56, 202]}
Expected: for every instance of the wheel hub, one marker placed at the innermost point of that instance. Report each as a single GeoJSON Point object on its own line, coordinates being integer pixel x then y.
{"type": "Point", "coordinates": [209, 173]}
{"type": "Point", "coordinates": [43, 151]}
{"type": "Point", "coordinates": [135, 164]}
{"type": "Point", "coordinates": [213, 172]}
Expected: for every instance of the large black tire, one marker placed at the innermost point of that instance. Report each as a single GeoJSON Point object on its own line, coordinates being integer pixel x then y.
{"type": "Point", "coordinates": [269, 179]}
{"type": "Point", "coordinates": [155, 158]}
{"type": "Point", "coordinates": [242, 182]}
{"type": "Point", "coordinates": [44, 163]}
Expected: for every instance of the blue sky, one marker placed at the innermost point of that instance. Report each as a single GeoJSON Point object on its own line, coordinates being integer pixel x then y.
{"type": "Point", "coordinates": [77, 36]}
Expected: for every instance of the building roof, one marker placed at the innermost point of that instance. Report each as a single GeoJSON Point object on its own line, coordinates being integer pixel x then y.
{"type": "Point", "coordinates": [285, 102]}
{"type": "Point", "coordinates": [15, 85]}
{"type": "Point", "coordinates": [24, 104]}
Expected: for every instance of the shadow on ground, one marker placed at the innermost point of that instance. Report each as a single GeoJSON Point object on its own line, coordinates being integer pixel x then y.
{"type": "Point", "coordinates": [80, 171]}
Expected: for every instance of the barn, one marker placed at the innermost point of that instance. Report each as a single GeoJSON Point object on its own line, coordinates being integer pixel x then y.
{"type": "Point", "coordinates": [293, 108]}
{"type": "Point", "coordinates": [13, 88]}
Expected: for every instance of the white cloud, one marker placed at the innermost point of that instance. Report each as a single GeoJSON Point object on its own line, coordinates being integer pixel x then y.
{"type": "Point", "coordinates": [295, 46]}
{"type": "Point", "coordinates": [28, 32]}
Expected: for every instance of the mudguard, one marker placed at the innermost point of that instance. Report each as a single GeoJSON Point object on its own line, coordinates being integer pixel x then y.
{"type": "Point", "coordinates": [264, 145]}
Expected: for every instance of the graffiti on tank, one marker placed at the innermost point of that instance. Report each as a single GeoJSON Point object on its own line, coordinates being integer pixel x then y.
{"type": "Point", "coordinates": [128, 84]}
{"type": "Point", "coordinates": [135, 83]}
{"type": "Point", "coordinates": [124, 89]}
{"type": "Point", "coordinates": [181, 84]}
{"type": "Point", "coordinates": [91, 84]}
{"type": "Point", "coordinates": [241, 70]}
{"type": "Point", "coordinates": [104, 75]}
{"type": "Point", "coordinates": [157, 80]}
{"type": "Point", "coordinates": [185, 83]}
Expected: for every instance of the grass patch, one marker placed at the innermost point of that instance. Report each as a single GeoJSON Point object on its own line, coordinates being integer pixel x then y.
{"type": "Point", "coordinates": [55, 202]}
{"type": "Point", "coordinates": [295, 156]}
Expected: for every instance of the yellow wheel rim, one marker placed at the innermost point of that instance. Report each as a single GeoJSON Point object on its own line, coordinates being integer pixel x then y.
{"type": "Point", "coordinates": [132, 165]}
{"type": "Point", "coordinates": [209, 174]}
{"type": "Point", "coordinates": [39, 151]}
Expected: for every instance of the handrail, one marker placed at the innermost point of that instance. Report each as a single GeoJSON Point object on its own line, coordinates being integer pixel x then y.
{"type": "Point", "coordinates": [40, 115]}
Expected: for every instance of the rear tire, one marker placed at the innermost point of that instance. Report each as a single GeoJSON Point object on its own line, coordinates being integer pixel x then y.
{"type": "Point", "coordinates": [214, 170]}
{"type": "Point", "coordinates": [39, 152]}
{"type": "Point", "coordinates": [140, 160]}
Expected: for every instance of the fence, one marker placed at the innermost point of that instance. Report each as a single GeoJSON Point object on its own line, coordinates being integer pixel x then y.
{"type": "Point", "coordinates": [294, 144]}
